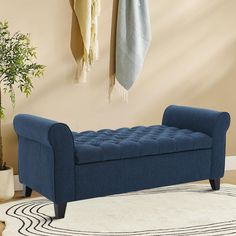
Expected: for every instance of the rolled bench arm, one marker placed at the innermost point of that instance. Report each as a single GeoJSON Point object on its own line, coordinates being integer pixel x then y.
{"type": "Point", "coordinates": [201, 120]}
{"type": "Point", "coordinates": [46, 157]}
{"type": "Point", "coordinates": [213, 123]}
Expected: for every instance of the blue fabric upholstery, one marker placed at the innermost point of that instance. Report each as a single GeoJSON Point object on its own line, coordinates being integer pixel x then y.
{"type": "Point", "coordinates": [121, 176]}
{"type": "Point", "coordinates": [65, 166]}
{"type": "Point", "coordinates": [46, 157]}
{"type": "Point", "coordinates": [136, 142]}
{"type": "Point", "coordinates": [213, 123]}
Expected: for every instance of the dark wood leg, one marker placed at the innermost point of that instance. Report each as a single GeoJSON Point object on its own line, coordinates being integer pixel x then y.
{"type": "Point", "coordinates": [60, 210]}
{"type": "Point", "coordinates": [215, 184]}
{"type": "Point", "coordinates": [27, 191]}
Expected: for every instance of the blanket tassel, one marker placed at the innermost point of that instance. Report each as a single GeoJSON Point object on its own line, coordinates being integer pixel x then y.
{"type": "Point", "coordinates": [122, 91]}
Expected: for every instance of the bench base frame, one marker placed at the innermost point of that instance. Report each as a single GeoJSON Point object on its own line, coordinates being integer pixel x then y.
{"type": "Point", "coordinates": [215, 184]}
{"type": "Point", "coordinates": [60, 209]}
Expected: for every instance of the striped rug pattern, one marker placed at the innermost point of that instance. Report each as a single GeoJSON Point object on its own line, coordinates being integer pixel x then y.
{"type": "Point", "coordinates": [182, 210]}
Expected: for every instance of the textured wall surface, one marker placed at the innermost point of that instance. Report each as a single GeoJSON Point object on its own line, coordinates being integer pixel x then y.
{"type": "Point", "coordinates": [192, 61]}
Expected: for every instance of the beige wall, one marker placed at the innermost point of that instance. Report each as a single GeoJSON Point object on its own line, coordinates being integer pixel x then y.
{"type": "Point", "coordinates": [192, 61]}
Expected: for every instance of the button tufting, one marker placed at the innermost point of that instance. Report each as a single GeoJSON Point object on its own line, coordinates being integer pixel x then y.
{"type": "Point", "coordinates": [91, 146]}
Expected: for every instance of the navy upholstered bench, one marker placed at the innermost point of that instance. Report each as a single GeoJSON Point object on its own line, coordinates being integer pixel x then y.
{"type": "Point", "coordinates": [67, 166]}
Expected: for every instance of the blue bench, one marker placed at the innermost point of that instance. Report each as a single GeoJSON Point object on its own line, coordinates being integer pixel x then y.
{"type": "Point", "coordinates": [67, 166]}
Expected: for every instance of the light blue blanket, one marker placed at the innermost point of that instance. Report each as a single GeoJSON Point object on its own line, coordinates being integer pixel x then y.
{"type": "Point", "coordinates": [132, 40]}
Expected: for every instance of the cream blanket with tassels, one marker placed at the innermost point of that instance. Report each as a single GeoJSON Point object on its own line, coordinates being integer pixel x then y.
{"type": "Point", "coordinates": [87, 12]}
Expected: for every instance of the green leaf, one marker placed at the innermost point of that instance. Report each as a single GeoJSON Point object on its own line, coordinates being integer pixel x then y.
{"type": "Point", "coordinates": [18, 66]}
{"type": "Point", "coordinates": [2, 115]}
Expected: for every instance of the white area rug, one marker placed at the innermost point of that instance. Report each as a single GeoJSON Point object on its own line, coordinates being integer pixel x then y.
{"type": "Point", "coordinates": [184, 210]}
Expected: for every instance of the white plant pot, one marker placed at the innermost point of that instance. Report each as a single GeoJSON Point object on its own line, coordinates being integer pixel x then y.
{"type": "Point", "coordinates": [6, 184]}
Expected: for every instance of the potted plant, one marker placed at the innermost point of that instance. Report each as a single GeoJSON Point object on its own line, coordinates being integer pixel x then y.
{"type": "Point", "coordinates": [17, 69]}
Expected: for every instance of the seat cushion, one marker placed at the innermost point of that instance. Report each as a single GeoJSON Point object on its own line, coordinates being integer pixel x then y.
{"type": "Point", "coordinates": [106, 144]}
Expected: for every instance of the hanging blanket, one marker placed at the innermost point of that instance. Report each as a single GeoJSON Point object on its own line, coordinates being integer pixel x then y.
{"type": "Point", "coordinates": [132, 41]}
{"type": "Point", "coordinates": [87, 12]}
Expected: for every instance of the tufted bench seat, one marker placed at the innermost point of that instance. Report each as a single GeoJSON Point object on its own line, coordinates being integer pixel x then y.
{"type": "Point", "coordinates": [67, 166]}
{"type": "Point", "coordinates": [105, 145]}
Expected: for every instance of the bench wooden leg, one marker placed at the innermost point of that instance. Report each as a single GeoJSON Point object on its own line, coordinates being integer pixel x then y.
{"type": "Point", "coordinates": [60, 210]}
{"type": "Point", "coordinates": [27, 191]}
{"type": "Point", "coordinates": [215, 184]}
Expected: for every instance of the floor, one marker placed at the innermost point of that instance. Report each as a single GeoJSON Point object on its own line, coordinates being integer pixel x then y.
{"type": "Point", "coordinates": [230, 178]}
